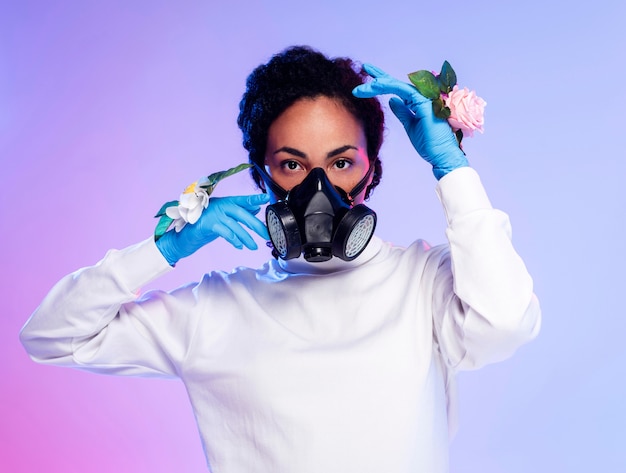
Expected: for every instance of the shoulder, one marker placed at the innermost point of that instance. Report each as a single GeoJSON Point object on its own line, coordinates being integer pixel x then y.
{"type": "Point", "coordinates": [419, 250]}
{"type": "Point", "coordinates": [240, 275]}
{"type": "Point", "coordinates": [419, 257]}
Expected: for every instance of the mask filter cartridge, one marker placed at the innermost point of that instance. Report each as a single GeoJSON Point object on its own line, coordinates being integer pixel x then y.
{"type": "Point", "coordinates": [317, 220]}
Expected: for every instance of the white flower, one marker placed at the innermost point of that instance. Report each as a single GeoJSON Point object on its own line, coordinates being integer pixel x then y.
{"type": "Point", "coordinates": [191, 204]}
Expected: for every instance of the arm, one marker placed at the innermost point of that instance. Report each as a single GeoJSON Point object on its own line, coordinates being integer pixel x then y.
{"type": "Point", "coordinates": [93, 318]}
{"type": "Point", "coordinates": [483, 302]}
{"type": "Point", "coordinates": [484, 307]}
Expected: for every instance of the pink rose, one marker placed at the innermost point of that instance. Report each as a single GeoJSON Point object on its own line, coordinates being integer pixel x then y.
{"type": "Point", "coordinates": [467, 110]}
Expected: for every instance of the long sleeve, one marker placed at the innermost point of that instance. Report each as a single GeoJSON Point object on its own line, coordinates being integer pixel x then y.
{"type": "Point", "coordinates": [492, 309]}
{"type": "Point", "coordinates": [94, 319]}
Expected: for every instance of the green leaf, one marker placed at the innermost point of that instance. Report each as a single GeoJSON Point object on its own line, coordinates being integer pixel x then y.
{"type": "Point", "coordinates": [440, 109]}
{"type": "Point", "coordinates": [162, 226]}
{"type": "Point", "coordinates": [426, 83]}
{"type": "Point", "coordinates": [447, 78]}
{"type": "Point", "coordinates": [216, 177]}
{"type": "Point", "coordinates": [165, 206]}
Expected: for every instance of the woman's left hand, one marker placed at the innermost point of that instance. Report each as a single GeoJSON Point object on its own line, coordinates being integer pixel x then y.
{"type": "Point", "coordinates": [431, 136]}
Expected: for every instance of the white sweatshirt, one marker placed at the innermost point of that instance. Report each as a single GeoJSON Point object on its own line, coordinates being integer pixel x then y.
{"type": "Point", "coordinates": [303, 367]}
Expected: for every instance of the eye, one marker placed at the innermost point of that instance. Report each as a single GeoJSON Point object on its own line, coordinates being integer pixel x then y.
{"type": "Point", "coordinates": [343, 163]}
{"type": "Point", "coordinates": [290, 165]}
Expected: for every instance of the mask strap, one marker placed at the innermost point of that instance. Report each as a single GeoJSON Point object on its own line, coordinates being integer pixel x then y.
{"type": "Point", "coordinates": [356, 190]}
{"type": "Point", "coordinates": [269, 182]}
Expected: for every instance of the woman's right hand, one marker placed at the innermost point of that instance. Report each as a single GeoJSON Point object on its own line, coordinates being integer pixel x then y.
{"type": "Point", "coordinates": [222, 218]}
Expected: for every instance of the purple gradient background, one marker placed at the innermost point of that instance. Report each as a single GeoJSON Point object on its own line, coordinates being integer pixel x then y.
{"type": "Point", "coordinates": [108, 109]}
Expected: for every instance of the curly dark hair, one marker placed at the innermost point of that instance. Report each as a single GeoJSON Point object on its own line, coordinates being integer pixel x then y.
{"type": "Point", "coordinates": [300, 72]}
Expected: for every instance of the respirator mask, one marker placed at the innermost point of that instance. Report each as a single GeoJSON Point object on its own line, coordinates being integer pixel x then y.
{"type": "Point", "coordinates": [317, 219]}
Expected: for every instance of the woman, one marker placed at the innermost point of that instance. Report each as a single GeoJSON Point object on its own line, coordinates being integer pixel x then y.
{"type": "Point", "coordinates": [322, 359]}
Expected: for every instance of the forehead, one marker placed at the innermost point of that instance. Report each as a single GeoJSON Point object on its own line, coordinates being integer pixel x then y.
{"type": "Point", "coordinates": [320, 118]}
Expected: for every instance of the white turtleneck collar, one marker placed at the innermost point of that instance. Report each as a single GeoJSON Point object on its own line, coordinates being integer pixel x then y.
{"type": "Point", "coordinates": [301, 266]}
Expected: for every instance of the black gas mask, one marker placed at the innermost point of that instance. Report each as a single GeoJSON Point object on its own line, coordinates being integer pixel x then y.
{"type": "Point", "coordinates": [318, 219]}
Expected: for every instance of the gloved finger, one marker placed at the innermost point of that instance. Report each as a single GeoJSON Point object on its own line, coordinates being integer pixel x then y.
{"type": "Point", "coordinates": [252, 203]}
{"type": "Point", "coordinates": [245, 216]}
{"type": "Point", "coordinates": [400, 110]}
{"type": "Point", "coordinates": [374, 71]}
{"type": "Point", "coordinates": [222, 230]}
{"type": "Point", "coordinates": [235, 234]}
{"type": "Point", "coordinates": [383, 84]}
{"type": "Point", "coordinates": [248, 201]}
{"type": "Point", "coordinates": [243, 209]}
{"type": "Point", "coordinates": [388, 85]}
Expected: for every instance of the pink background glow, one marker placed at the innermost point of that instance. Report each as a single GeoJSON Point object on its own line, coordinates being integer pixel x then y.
{"type": "Point", "coordinates": [109, 108]}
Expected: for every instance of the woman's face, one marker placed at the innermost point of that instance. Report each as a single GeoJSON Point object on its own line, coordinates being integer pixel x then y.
{"type": "Point", "coordinates": [315, 133]}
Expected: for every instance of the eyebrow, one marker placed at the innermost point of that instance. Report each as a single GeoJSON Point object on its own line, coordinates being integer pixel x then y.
{"type": "Point", "coordinates": [300, 154]}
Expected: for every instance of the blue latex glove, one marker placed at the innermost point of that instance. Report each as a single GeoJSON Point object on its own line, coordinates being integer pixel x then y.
{"type": "Point", "coordinates": [222, 218]}
{"type": "Point", "coordinates": [431, 136]}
